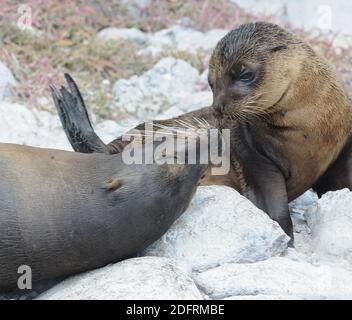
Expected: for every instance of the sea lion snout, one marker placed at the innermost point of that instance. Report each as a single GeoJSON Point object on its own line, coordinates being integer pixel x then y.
{"type": "Point", "coordinates": [219, 103]}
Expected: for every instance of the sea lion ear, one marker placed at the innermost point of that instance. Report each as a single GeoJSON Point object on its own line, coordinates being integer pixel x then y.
{"type": "Point", "coordinates": [279, 48]}
{"type": "Point", "coordinates": [112, 184]}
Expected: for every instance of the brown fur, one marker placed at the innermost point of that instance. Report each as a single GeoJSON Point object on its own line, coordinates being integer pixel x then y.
{"type": "Point", "coordinates": [300, 100]}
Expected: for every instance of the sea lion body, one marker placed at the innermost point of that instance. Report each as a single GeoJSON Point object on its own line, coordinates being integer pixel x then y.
{"type": "Point", "coordinates": [289, 110]}
{"type": "Point", "coordinates": [62, 212]}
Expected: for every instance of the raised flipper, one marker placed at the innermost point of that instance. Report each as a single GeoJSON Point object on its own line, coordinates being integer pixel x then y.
{"type": "Point", "coordinates": [339, 174]}
{"type": "Point", "coordinates": [265, 177]}
{"type": "Point", "coordinates": [75, 120]}
{"type": "Point", "coordinates": [78, 128]}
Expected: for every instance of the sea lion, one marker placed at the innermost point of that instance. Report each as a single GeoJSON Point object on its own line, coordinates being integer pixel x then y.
{"type": "Point", "coordinates": [288, 113]}
{"type": "Point", "coordinates": [292, 114]}
{"type": "Point", "coordinates": [63, 212]}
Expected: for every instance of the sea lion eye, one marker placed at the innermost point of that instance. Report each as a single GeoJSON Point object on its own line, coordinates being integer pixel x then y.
{"type": "Point", "coordinates": [247, 75]}
{"type": "Point", "coordinates": [279, 48]}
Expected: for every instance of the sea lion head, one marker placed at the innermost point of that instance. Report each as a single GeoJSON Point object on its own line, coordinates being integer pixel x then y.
{"type": "Point", "coordinates": [253, 67]}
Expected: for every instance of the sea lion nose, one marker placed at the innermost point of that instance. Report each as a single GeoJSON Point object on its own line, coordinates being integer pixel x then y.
{"type": "Point", "coordinates": [218, 106]}
{"type": "Point", "coordinates": [219, 103]}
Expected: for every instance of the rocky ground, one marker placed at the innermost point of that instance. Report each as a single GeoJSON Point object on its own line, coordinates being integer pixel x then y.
{"type": "Point", "coordinates": [222, 247]}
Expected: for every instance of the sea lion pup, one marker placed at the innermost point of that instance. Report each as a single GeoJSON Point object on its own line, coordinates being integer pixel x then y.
{"type": "Point", "coordinates": [292, 114]}
{"type": "Point", "coordinates": [288, 113]}
{"type": "Point", "coordinates": [63, 212]}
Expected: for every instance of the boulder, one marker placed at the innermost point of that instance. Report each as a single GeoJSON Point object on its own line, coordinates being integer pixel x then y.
{"type": "Point", "coordinates": [7, 80]}
{"type": "Point", "coordinates": [42, 129]}
{"type": "Point", "coordinates": [298, 210]}
{"type": "Point", "coordinates": [220, 226]}
{"type": "Point", "coordinates": [277, 277]}
{"type": "Point", "coordinates": [170, 83]}
{"type": "Point", "coordinates": [19, 124]}
{"type": "Point", "coordinates": [147, 278]}
{"type": "Point", "coordinates": [183, 39]}
{"type": "Point", "coordinates": [113, 34]}
{"type": "Point", "coordinates": [330, 221]}
{"type": "Point", "coordinates": [109, 130]}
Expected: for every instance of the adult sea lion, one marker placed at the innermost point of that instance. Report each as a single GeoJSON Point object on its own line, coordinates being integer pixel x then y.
{"type": "Point", "coordinates": [288, 112]}
{"type": "Point", "coordinates": [63, 212]}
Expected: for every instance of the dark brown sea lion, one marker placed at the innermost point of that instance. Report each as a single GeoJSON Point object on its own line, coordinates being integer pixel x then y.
{"type": "Point", "coordinates": [288, 113]}
{"type": "Point", "coordinates": [63, 212]}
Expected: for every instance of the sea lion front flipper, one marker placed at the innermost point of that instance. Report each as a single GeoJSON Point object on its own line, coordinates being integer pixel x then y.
{"type": "Point", "coordinates": [268, 192]}
{"type": "Point", "coordinates": [265, 177]}
{"type": "Point", "coordinates": [75, 120]}
{"type": "Point", "coordinates": [266, 189]}
{"type": "Point", "coordinates": [339, 174]}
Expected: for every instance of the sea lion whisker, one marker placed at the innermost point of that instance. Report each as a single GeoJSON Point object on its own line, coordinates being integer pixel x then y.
{"type": "Point", "coordinates": [206, 123]}
{"type": "Point", "coordinates": [239, 116]}
{"type": "Point", "coordinates": [161, 126]}
{"type": "Point", "coordinates": [185, 124]}
{"type": "Point", "coordinates": [199, 122]}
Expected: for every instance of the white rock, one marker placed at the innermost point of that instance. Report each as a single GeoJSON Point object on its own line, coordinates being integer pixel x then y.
{"type": "Point", "coordinates": [298, 210]}
{"type": "Point", "coordinates": [265, 7]}
{"type": "Point", "coordinates": [170, 83]}
{"type": "Point", "coordinates": [331, 224]}
{"type": "Point", "coordinates": [212, 37]}
{"type": "Point", "coordinates": [21, 125]}
{"type": "Point", "coordinates": [297, 255]}
{"type": "Point", "coordinates": [132, 34]}
{"type": "Point", "coordinates": [302, 203]}
{"type": "Point", "coordinates": [220, 226]}
{"type": "Point", "coordinates": [195, 100]}
{"type": "Point", "coordinates": [135, 7]}
{"type": "Point", "coordinates": [328, 17]}
{"type": "Point", "coordinates": [183, 39]}
{"type": "Point", "coordinates": [109, 130]}
{"type": "Point", "coordinates": [172, 112]}
{"type": "Point", "coordinates": [6, 81]}
{"type": "Point", "coordinates": [204, 78]}
{"type": "Point", "coordinates": [147, 278]}
{"type": "Point", "coordinates": [277, 276]}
